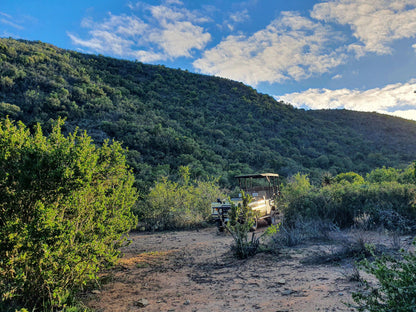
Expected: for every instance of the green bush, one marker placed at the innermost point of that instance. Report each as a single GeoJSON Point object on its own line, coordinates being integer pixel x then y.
{"type": "Point", "coordinates": [241, 221]}
{"type": "Point", "coordinates": [396, 284]}
{"type": "Point", "coordinates": [350, 177]}
{"type": "Point", "coordinates": [383, 174]}
{"type": "Point", "coordinates": [346, 200]}
{"type": "Point", "coordinates": [407, 176]}
{"type": "Point", "coordinates": [64, 211]}
{"type": "Point", "coordinates": [183, 204]}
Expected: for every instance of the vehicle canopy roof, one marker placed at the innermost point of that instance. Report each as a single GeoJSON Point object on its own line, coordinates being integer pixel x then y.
{"type": "Point", "coordinates": [260, 182]}
{"type": "Point", "coordinates": [256, 175]}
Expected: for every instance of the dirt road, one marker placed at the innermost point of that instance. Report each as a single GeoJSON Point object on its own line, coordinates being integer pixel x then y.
{"type": "Point", "coordinates": [195, 271]}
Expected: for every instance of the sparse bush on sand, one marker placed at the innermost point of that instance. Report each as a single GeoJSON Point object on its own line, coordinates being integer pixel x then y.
{"type": "Point", "coordinates": [241, 221]}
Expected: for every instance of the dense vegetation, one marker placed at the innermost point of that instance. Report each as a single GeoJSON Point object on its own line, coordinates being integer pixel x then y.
{"type": "Point", "coordinates": [170, 118]}
{"type": "Point", "coordinates": [182, 204]}
{"type": "Point", "coordinates": [65, 203]}
{"type": "Point", "coordinates": [64, 211]}
{"type": "Point", "coordinates": [383, 199]}
{"type": "Point", "coordinates": [386, 197]}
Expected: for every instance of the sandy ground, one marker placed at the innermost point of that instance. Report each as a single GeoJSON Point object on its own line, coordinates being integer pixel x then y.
{"type": "Point", "coordinates": [195, 271]}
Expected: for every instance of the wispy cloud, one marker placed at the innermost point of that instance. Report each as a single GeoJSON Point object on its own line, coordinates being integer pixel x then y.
{"type": "Point", "coordinates": [394, 99]}
{"type": "Point", "coordinates": [375, 23]}
{"type": "Point", "coordinates": [5, 15]}
{"type": "Point", "coordinates": [290, 47]}
{"type": "Point", "coordinates": [240, 16]}
{"type": "Point", "coordinates": [7, 19]}
{"type": "Point", "coordinates": [170, 31]}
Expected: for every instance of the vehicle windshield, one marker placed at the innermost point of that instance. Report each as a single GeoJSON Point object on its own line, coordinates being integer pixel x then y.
{"type": "Point", "coordinates": [259, 186]}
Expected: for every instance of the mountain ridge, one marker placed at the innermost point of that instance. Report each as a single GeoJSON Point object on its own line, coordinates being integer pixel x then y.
{"type": "Point", "coordinates": [170, 117]}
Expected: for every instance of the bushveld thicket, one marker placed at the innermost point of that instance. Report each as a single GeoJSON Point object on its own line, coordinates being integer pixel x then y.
{"type": "Point", "coordinates": [182, 204]}
{"type": "Point", "coordinates": [170, 118]}
{"type": "Point", "coordinates": [384, 198]}
{"type": "Point", "coordinates": [385, 195]}
{"type": "Point", "coordinates": [64, 210]}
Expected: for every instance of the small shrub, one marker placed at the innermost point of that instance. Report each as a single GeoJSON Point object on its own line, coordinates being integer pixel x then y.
{"type": "Point", "coordinates": [353, 274]}
{"type": "Point", "coordinates": [288, 237]}
{"type": "Point", "coordinates": [396, 284]}
{"type": "Point", "coordinates": [353, 245]}
{"type": "Point", "coordinates": [393, 221]}
{"type": "Point", "coordinates": [241, 221]}
{"type": "Point", "coordinates": [357, 244]}
{"type": "Point", "coordinates": [363, 221]}
{"type": "Point", "coordinates": [301, 231]}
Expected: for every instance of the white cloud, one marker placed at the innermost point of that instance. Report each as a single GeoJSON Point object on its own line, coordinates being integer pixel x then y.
{"type": "Point", "coordinates": [103, 41]}
{"type": "Point", "coordinates": [174, 2]}
{"type": "Point", "coordinates": [407, 114]}
{"type": "Point", "coordinates": [240, 16]}
{"type": "Point", "coordinates": [180, 38]}
{"type": "Point", "coordinates": [290, 47]}
{"type": "Point", "coordinates": [169, 32]}
{"type": "Point", "coordinates": [236, 18]}
{"type": "Point", "coordinates": [396, 99]}
{"type": "Point", "coordinates": [5, 14]}
{"type": "Point", "coordinates": [10, 23]}
{"type": "Point", "coordinates": [376, 23]}
{"type": "Point", "coordinates": [414, 47]}
{"type": "Point", "coordinates": [9, 20]}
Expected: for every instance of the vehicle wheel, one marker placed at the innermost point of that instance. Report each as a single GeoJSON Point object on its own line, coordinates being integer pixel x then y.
{"type": "Point", "coordinates": [269, 220]}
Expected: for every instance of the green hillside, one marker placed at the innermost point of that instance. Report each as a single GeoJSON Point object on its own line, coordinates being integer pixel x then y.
{"type": "Point", "coordinates": [169, 117]}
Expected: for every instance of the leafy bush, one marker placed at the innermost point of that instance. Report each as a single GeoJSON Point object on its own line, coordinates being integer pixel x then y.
{"type": "Point", "coordinates": [383, 174]}
{"type": "Point", "coordinates": [407, 176]}
{"type": "Point", "coordinates": [396, 287]}
{"type": "Point", "coordinates": [350, 177]}
{"type": "Point", "coordinates": [348, 199]}
{"type": "Point", "coordinates": [64, 211]}
{"type": "Point", "coordinates": [183, 204]}
{"type": "Point", "coordinates": [293, 195]}
{"type": "Point", "coordinates": [298, 185]}
{"type": "Point", "coordinates": [241, 221]}
{"type": "Point", "coordinates": [7, 109]}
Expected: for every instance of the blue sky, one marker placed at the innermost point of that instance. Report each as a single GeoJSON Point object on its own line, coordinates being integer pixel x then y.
{"type": "Point", "coordinates": [354, 54]}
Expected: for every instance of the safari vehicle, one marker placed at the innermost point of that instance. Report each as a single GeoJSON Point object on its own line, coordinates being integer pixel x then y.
{"type": "Point", "coordinates": [263, 187]}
